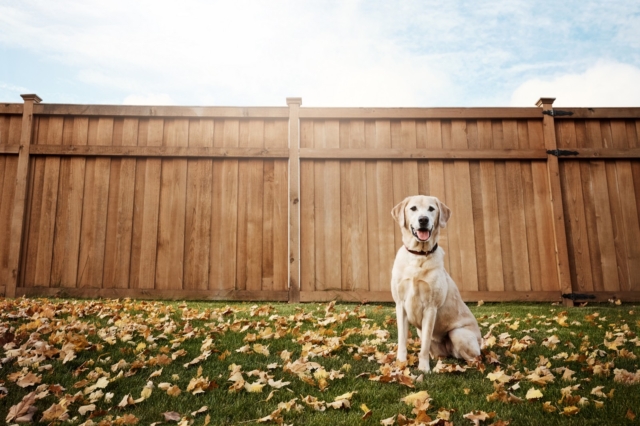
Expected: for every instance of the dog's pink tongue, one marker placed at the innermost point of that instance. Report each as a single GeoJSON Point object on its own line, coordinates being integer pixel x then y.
{"type": "Point", "coordinates": [423, 235]}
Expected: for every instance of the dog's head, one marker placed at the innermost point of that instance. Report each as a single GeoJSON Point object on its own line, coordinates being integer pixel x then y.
{"type": "Point", "coordinates": [420, 218]}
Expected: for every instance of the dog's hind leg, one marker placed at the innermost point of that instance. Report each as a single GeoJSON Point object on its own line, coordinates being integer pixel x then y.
{"type": "Point", "coordinates": [403, 332]}
{"type": "Point", "coordinates": [441, 349]}
{"type": "Point", "coordinates": [465, 344]}
{"type": "Point", "coordinates": [428, 323]}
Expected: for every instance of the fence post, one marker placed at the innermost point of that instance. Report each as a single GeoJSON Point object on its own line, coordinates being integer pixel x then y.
{"type": "Point", "coordinates": [18, 219]}
{"type": "Point", "coordinates": [553, 174]}
{"type": "Point", "coordinates": [294, 199]}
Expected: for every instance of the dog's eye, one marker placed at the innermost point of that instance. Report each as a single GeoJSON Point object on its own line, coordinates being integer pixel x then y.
{"type": "Point", "coordinates": [413, 208]}
{"type": "Point", "coordinates": [431, 209]}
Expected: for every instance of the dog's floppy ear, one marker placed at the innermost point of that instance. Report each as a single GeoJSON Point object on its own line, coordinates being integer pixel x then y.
{"type": "Point", "coordinates": [445, 214]}
{"type": "Point", "coordinates": [398, 212]}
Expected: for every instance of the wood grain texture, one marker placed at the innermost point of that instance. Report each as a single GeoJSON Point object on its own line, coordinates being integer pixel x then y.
{"type": "Point", "coordinates": [120, 209]}
{"type": "Point", "coordinates": [95, 207]}
{"type": "Point", "coordinates": [198, 209]}
{"type": "Point", "coordinates": [66, 249]}
{"type": "Point", "coordinates": [144, 242]}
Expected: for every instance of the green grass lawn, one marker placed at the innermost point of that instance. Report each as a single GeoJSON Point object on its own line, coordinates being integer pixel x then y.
{"type": "Point", "coordinates": [110, 362]}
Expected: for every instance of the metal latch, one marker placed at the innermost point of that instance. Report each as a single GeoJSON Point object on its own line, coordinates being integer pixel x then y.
{"type": "Point", "coordinates": [557, 112]}
{"type": "Point", "coordinates": [561, 152]}
{"type": "Point", "coordinates": [578, 296]}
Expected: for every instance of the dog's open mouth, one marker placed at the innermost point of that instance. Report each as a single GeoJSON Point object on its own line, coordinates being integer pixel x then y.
{"type": "Point", "coordinates": [421, 234]}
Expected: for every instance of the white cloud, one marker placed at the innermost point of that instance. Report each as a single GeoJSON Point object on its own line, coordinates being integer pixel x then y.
{"type": "Point", "coordinates": [329, 52]}
{"type": "Point", "coordinates": [149, 99]}
{"type": "Point", "coordinates": [605, 84]}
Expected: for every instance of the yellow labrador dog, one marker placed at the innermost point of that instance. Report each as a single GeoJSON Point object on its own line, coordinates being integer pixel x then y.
{"type": "Point", "coordinates": [425, 295]}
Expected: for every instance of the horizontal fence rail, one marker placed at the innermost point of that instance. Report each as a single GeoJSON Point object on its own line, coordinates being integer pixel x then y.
{"type": "Point", "coordinates": [293, 203]}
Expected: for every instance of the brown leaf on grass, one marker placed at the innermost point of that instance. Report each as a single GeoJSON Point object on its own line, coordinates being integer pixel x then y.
{"type": "Point", "coordinates": [127, 419]}
{"type": "Point", "coordinates": [442, 367]}
{"type": "Point", "coordinates": [279, 384]}
{"type": "Point", "coordinates": [29, 379]}
{"type": "Point", "coordinates": [314, 403]}
{"type": "Point", "coordinates": [55, 413]}
{"type": "Point", "coordinates": [86, 409]}
{"type": "Point", "coordinates": [273, 417]}
{"type": "Point", "coordinates": [478, 416]}
{"type": "Point", "coordinates": [23, 411]}
{"type": "Point", "coordinates": [389, 421]}
{"type": "Point", "coordinates": [533, 394]}
{"type": "Point", "coordinates": [127, 400]}
{"type": "Point", "coordinates": [570, 411]}
{"type": "Point", "coordinates": [172, 416]}
{"type": "Point", "coordinates": [173, 390]}
{"type": "Point", "coordinates": [630, 415]}
{"type": "Point", "coordinates": [367, 412]}
{"type": "Point", "coordinates": [339, 403]}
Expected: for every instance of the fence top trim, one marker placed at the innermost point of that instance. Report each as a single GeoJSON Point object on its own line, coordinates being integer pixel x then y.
{"type": "Point", "coordinates": [424, 113]}
{"type": "Point", "coordinates": [161, 111]}
{"type": "Point", "coordinates": [319, 112]}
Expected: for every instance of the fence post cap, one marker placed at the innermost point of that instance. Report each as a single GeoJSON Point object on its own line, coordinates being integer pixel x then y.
{"type": "Point", "coordinates": [545, 101]}
{"type": "Point", "coordinates": [297, 101]}
{"type": "Point", "coordinates": [32, 97]}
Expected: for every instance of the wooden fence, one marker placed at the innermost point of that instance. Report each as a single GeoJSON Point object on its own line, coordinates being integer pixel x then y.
{"type": "Point", "coordinates": [292, 203]}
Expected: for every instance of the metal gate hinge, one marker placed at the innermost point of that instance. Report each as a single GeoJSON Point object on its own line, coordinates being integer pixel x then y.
{"type": "Point", "coordinates": [557, 112]}
{"type": "Point", "coordinates": [561, 152]}
{"type": "Point", "coordinates": [578, 296]}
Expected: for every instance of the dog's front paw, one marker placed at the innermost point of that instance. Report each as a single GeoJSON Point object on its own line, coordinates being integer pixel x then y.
{"type": "Point", "coordinates": [401, 356]}
{"type": "Point", "coordinates": [423, 366]}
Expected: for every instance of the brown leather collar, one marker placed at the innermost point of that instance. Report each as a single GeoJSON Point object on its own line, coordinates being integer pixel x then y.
{"type": "Point", "coordinates": [423, 253]}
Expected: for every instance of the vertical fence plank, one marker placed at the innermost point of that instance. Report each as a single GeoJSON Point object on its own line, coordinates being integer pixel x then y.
{"type": "Point", "coordinates": [320, 237]}
{"type": "Point", "coordinates": [574, 207]}
{"type": "Point", "coordinates": [464, 224]}
{"type": "Point", "coordinates": [147, 198]}
{"type": "Point", "coordinates": [332, 227]}
{"type": "Point", "coordinates": [198, 209]}
{"type": "Point", "coordinates": [553, 174]}
{"type": "Point", "coordinates": [294, 199]}
{"type": "Point", "coordinates": [307, 210]}
{"type": "Point", "coordinates": [517, 221]}
{"type": "Point", "coordinates": [44, 245]}
{"type": "Point", "coordinates": [171, 219]}
{"type": "Point", "coordinates": [66, 248]}
{"type": "Point", "coordinates": [278, 138]}
{"type": "Point", "coordinates": [354, 213]}
{"type": "Point", "coordinates": [252, 185]}
{"type": "Point", "coordinates": [543, 215]}
{"type": "Point", "coordinates": [94, 211]}
{"type": "Point", "coordinates": [20, 196]}
{"type": "Point", "coordinates": [275, 208]}
{"type": "Point", "coordinates": [120, 211]}
{"type": "Point", "coordinates": [384, 194]}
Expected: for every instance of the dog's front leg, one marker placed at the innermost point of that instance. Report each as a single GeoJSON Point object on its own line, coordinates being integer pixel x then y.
{"type": "Point", "coordinates": [403, 330]}
{"type": "Point", "coordinates": [428, 323]}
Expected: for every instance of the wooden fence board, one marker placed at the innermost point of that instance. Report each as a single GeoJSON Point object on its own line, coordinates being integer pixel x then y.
{"type": "Point", "coordinates": [7, 196]}
{"type": "Point", "coordinates": [276, 137]}
{"type": "Point", "coordinates": [66, 250]}
{"type": "Point", "coordinates": [120, 209]}
{"type": "Point", "coordinates": [198, 209]}
{"type": "Point", "coordinates": [145, 218]}
{"type": "Point", "coordinates": [228, 242]}
{"type": "Point", "coordinates": [332, 227]}
{"type": "Point", "coordinates": [307, 210]}
{"type": "Point", "coordinates": [95, 207]}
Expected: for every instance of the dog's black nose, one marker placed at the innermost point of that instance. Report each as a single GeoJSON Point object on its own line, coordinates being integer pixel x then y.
{"type": "Point", "coordinates": [423, 221]}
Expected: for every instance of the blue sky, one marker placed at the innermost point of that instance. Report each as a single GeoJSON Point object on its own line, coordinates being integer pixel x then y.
{"type": "Point", "coordinates": [330, 53]}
